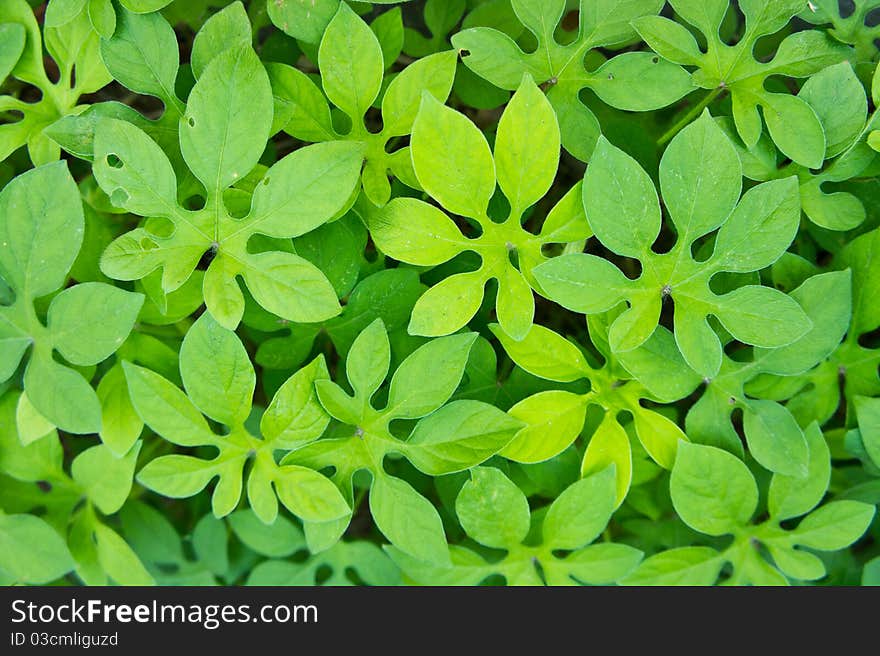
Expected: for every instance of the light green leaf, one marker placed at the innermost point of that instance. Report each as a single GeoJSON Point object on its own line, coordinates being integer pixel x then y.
{"type": "Point", "coordinates": [233, 90]}
{"type": "Point", "coordinates": [90, 321]}
{"type": "Point", "coordinates": [609, 445]}
{"type": "Point", "coordinates": [835, 525]}
{"type": "Point", "coordinates": [458, 436]}
{"type": "Point", "coordinates": [553, 420]}
{"type": "Point", "coordinates": [118, 560]}
{"type": "Point", "coordinates": [579, 515]}
{"type": "Point", "coordinates": [368, 360]}
{"type": "Point", "coordinates": [294, 415]}
{"type": "Point", "coordinates": [713, 491]}
{"type": "Point", "coordinates": [775, 440]}
{"type": "Point", "coordinates": [545, 354]}
{"type": "Point", "coordinates": [401, 101]}
{"type": "Point", "coordinates": [216, 371]}
{"type": "Point", "coordinates": [165, 408]}
{"type": "Point", "coordinates": [228, 28]}
{"type": "Point", "coordinates": [492, 510]}
{"type": "Point", "coordinates": [309, 495]}
{"type": "Point", "coordinates": [105, 478]}
{"type": "Point", "coordinates": [680, 566]}
{"type": "Point", "coordinates": [350, 59]}
{"type": "Point", "coordinates": [31, 551]}
{"type": "Point", "coordinates": [176, 476]}
{"type": "Point", "coordinates": [408, 519]}
{"type": "Point", "coordinates": [527, 147]}
{"type": "Point", "coordinates": [452, 159]}
{"type": "Point", "coordinates": [428, 377]}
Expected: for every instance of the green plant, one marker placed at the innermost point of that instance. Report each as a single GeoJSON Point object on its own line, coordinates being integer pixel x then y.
{"type": "Point", "coordinates": [477, 292]}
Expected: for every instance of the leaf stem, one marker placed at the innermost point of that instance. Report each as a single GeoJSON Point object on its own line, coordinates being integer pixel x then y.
{"type": "Point", "coordinates": [690, 116]}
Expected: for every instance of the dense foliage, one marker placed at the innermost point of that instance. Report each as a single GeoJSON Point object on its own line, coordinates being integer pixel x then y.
{"type": "Point", "coordinates": [453, 292]}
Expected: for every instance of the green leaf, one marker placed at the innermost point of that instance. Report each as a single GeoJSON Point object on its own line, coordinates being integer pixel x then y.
{"type": "Point", "coordinates": [680, 566]}
{"type": "Point", "coordinates": [303, 19]}
{"type": "Point", "coordinates": [527, 147]}
{"type": "Point", "coordinates": [868, 413]}
{"type": "Point", "coordinates": [164, 408]}
{"type": "Point", "coordinates": [217, 372]}
{"type": "Point", "coordinates": [838, 98]}
{"type": "Point", "coordinates": [452, 159]}
{"type": "Point", "coordinates": [368, 360]}
{"type": "Point", "coordinates": [447, 306]}
{"type": "Point", "coordinates": [31, 551]}
{"type": "Point", "coordinates": [176, 476]}
{"type": "Point", "coordinates": [120, 423]}
{"type": "Point", "coordinates": [228, 28]}
{"type": "Point", "coordinates": [792, 496]}
{"type": "Point", "coordinates": [350, 59]}
{"type": "Point", "coordinates": [118, 560]}
{"type": "Point", "coordinates": [295, 415]}
{"type": "Point", "coordinates": [309, 495]}
{"type": "Point", "coordinates": [427, 378]}
{"type": "Point", "coordinates": [604, 563]}
{"type": "Point", "coordinates": [142, 54]}
{"type": "Point", "coordinates": [700, 178]}
{"type": "Point", "coordinates": [458, 436]}
{"type": "Point", "coordinates": [415, 232]}
{"type": "Point", "coordinates": [103, 313]}
{"type": "Point", "coordinates": [713, 492]}
{"type": "Point", "coordinates": [761, 227]}
{"type": "Point", "coordinates": [545, 354]}
{"type": "Point", "coordinates": [579, 515]}
{"type": "Point", "coordinates": [12, 38]}
{"type": "Point", "coordinates": [408, 519]}
{"type": "Point", "coordinates": [834, 526]}
{"type": "Point", "coordinates": [616, 187]}
{"type": "Point", "coordinates": [233, 90]}
{"type": "Point", "coordinates": [102, 16]}
{"type": "Point", "coordinates": [281, 539]}
{"type": "Point", "coordinates": [105, 478]}
{"type": "Point", "coordinates": [553, 420]}
{"type": "Point", "coordinates": [775, 440]}
{"type": "Point", "coordinates": [492, 510]}
{"type": "Point", "coordinates": [582, 283]}
{"type": "Point", "coordinates": [762, 316]}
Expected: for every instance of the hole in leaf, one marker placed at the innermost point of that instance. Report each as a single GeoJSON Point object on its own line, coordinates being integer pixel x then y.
{"type": "Point", "coordinates": [323, 573]}
{"type": "Point", "coordinates": [464, 52]}
{"type": "Point", "coordinates": [846, 8]}
{"type": "Point", "coordinates": [393, 145]}
{"type": "Point", "coordinates": [113, 161]}
{"type": "Point", "coordinates": [119, 197]}
{"type": "Point", "coordinates": [194, 203]}
{"type": "Point", "coordinates": [7, 294]}
{"type": "Point", "coordinates": [206, 259]}
{"type": "Point", "coordinates": [159, 227]}
{"type": "Point", "coordinates": [655, 60]}
{"type": "Point", "coordinates": [13, 116]}
{"type": "Point", "coordinates": [148, 244]}
{"type": "Point", "coordinates": [191, 121]}
{"type": "Point", "coordinates": [494, 580]}
{"type": "Point", "coordinates": [571, 20]}
{"type": "Point", "coordinates": [352, 575]}
{"type": "Point", "coordinates": [870, 339]}
{"type": "Point", "coordinates": [872, 18]}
